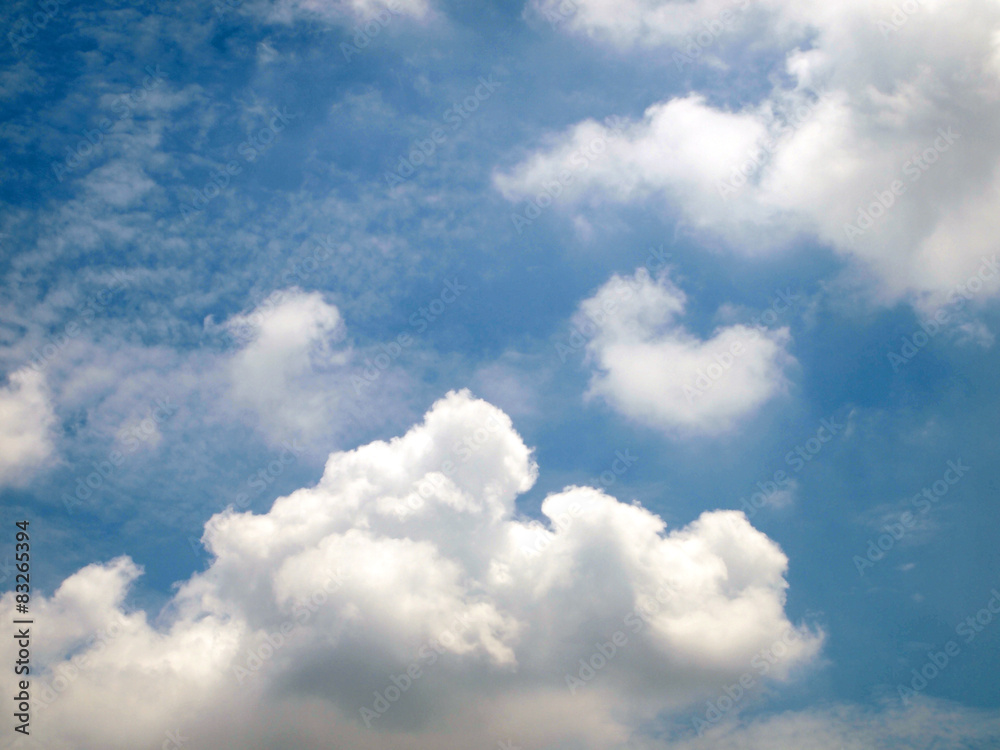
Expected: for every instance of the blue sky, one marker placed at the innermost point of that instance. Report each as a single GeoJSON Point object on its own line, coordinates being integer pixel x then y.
{"type": "Point", "coordinates": [700, 235]}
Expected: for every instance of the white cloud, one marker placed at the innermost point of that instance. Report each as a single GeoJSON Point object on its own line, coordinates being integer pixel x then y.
{"type": "Point", "coordinates": [682, 146]}
{"type": "Point", "coordinates": [27, 420]}
{"type": "Point", "coordinates": [648, 367]}
{"type": "Point", "coordinates": [625, 23]}
{"type": "Point", "coordinates": [283, 367]}
{"type": "Point", "coordinates": [409, 554]}
{"type": "Point", "coordinates": [288, 356]}
{"type": "Point", "coordinates": [875, 90]}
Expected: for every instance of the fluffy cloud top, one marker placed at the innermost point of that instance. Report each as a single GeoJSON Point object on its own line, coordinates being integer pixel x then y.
{"type": "Point", "coordinates": [648, 367]}
{"type": "Point", "coordinates": [26, 422]}
{"type": "Point", "coordinates": [882, 149]}
{"type": "Point", "coordinates": [408, 560]}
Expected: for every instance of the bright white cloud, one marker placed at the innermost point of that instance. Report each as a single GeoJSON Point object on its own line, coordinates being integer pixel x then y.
{"type": "Point", "coordinates": [27, 420]}
{"type": "Point", "coordinates": [882, 97]}
{"type": "Point", "coordinates": [409, 555]}
{"type": "Point", "coordinates": [287, 358]}
{"type": "Point", "coordinates": [681, 146]}
{"type": "Point", "coordinates": [648, 367]}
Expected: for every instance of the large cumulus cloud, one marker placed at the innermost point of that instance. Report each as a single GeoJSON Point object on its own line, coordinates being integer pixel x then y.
{"type": "Point", "coordinates": [404, 602]}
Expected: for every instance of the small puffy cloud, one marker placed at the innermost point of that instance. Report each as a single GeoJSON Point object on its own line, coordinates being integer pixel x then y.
{"type": "Point", "coordinates": [287, 357]}
{"type": "Point", "coordinates": [896, 171]}
{"type": "Point", "coordinates": [649, 368]}
{"type": "Point", "coordinates": [27, 420]}
{"type": "Point", "coordinates": [403, 602]}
